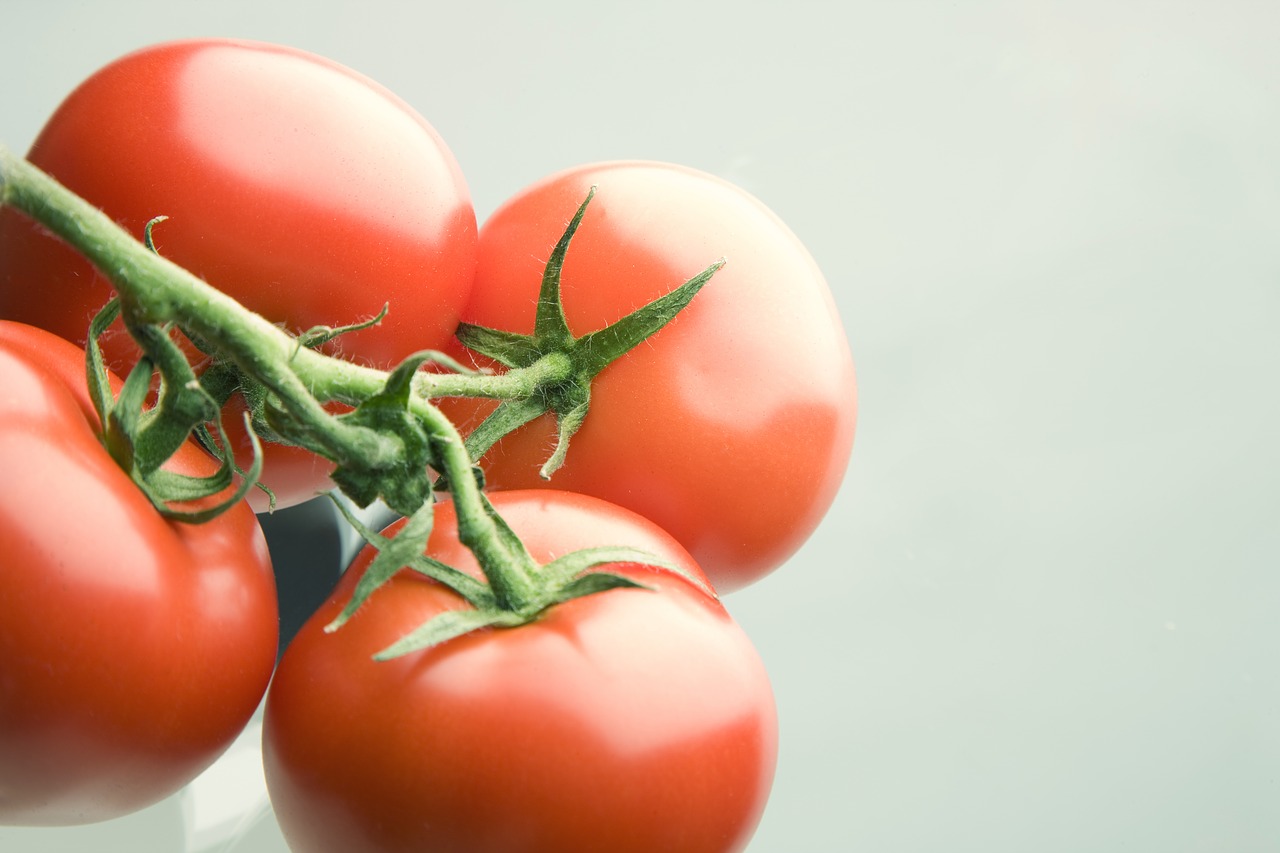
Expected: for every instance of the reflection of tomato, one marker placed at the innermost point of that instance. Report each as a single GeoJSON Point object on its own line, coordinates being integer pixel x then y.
{"type": "Point", "coordinates": [302, 189]}
{"type": "Point", "coordinates": [628, 721]}
{"type": "Point", "coordinates": [732, 427]}
{"type": "Point", "coordinates": [132, 649]}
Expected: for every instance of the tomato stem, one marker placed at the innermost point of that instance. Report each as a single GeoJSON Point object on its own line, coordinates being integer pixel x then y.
{"type": "Point", "coordinates": [154, 290]}
{"type": "Point", "coordinates": [390, 444]}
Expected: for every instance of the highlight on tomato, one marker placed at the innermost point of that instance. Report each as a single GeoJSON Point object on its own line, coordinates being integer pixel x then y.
{"type": "Point", "coordinates": [732, 426]}
{"type": "Point", "coordinates": [630, 720]}
{"type": "Point", "coordinates": [133, 649]}
{"type": "Point", "coordinates": [303, 189]}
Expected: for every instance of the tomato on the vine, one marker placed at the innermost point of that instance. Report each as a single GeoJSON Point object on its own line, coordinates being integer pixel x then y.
{"type": "Point", "coordinates": [306, 191]}
{"type": "Point", "coordinates": [732, 426]}
{"type": "Point", "coordinates": [629, 721]}
{"type": "Point", "coordinates": [133, 649]}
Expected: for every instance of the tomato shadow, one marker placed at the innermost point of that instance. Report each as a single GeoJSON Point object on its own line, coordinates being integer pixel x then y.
{"type": "Point", "coordinates": [308, 555]}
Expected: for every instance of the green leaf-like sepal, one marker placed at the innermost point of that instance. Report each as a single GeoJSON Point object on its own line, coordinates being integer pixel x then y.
{"type": "Point", "coordinates": [166, 488]}
{"type": "Point", "coordinates": [566, 394]}
{"type": "Point", "coordinates": [402, 483]}
{"type": "Point", "coordinates": [392, 554]}
{"type": "Point", "coordinates": [448, 626]}
{"type": "Point", "coordinates": [507, 538]}
{"type": "Point", "coordinates": [567, 424]}
{"type": "Point", "coordinates": [182, 405]}
{"type": "Point", "coordinates": [508, 348]}
{"type": "Point", "coordinates": [596, 582]}
{"type": "Point", "coordinates": [575, 575]}
{"type": "Point", "coordinates": [99, 383]}
{"type": "Point", "coordinates": [405, 550]}
{"type": "Point", "coordinates": [562, 572]}
{"type": "Point", "coordinates": [551, 327]}
{"type": "Point", "coordinates": [508, 417]}
{"type": "Point", "coordinates": [120, 429]}
{"type": "Point", "coordinates": [598, 349]}
{"type": "Point", "coordinates": [142, 440]}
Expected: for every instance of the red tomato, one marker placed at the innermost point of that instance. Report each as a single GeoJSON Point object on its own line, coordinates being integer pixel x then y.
{"type": "Point", "coordinates": [629, 721]}
{"type": "Point", "coordinates": [732, 427]}
{"type": "Point", "coordinates": [306, 191]}
{"type": "Point", "coordinates": [133, 649]}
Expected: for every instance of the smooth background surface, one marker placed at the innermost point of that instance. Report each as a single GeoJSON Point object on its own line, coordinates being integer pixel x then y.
{"type": "Point", "coordinates": [1043, 612]}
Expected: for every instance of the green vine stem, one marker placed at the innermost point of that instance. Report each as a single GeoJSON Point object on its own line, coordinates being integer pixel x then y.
{"type": "Point", "coordinates": [154, 290]}
{"type": "Point", "coordinates": [392, 440]}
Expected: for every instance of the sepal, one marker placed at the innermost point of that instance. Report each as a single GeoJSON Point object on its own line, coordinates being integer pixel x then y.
{"type": "Point", "coordinates": [400, 482]}
{"type": "Point", "coordinates": [447, 626]}
{"type": "Point", "coordinates": [567, 395]}
{"type": "Point", "coordinates": [404, 550]}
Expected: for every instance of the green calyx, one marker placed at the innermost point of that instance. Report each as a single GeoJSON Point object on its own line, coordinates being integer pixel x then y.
{"type": "Point", "coordinates": [570, 363]}
{"type": "Point", "coordinates": [517, 591]}
{"type": "Point", "coordinates": [141, 438]}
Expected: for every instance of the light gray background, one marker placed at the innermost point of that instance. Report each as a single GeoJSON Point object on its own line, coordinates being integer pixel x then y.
{"type": "Point", "coordinates": [1042, 615]}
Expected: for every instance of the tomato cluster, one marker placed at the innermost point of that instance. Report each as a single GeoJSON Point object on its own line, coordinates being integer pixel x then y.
{"type": "Point", "coordinates": [133, 647]}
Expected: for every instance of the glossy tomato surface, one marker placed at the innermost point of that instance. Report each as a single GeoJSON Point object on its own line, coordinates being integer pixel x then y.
{"type": "Point", "coordinates": [732, 427]}
{"type": "Point", "coordinates": [301, 188]}
{"type": "Point", "coordinates": [133, 649]}
{"type": "Point", "coordinates": [629, 721]}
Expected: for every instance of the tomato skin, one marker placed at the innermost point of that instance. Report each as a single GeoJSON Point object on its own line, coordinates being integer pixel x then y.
{"type": "Point", "coordinates": [306, 191]}
{"type": "Point", "coordinates": [133, 649]}
{"type": "Point", "coordinates": [626, 721]}
{"type": "Point", "coordinates": [732, 427]}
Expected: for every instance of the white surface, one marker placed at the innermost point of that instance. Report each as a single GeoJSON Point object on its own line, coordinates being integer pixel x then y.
{"type": "Point", "coordinates": [1042, 615]}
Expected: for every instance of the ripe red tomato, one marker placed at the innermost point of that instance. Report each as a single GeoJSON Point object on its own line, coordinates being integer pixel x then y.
{"type": "Point", "coordinates": [133, 649]}
{"type": "Point", "coordinates": [306, 191]}
{"type": "Point", "coordinates": [732, 427]}
{"type": "Point", "coordinates": [629, 721]}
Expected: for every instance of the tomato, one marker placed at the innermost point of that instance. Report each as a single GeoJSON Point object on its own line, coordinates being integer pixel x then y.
{"type": "Point", "coordinates": [306, 191]}
{"type": "Point", "coordinates": [731, 427]}
{"type": "Point", "coordinates": [629, 721]}
{"type": "Point", "coordinates": [133, 649]}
